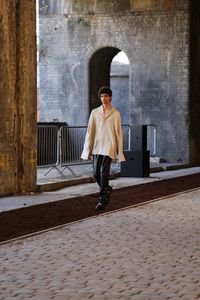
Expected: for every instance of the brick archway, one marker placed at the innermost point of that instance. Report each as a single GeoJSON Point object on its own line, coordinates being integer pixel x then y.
{"type": "Point", "coordinates": [99, 72]}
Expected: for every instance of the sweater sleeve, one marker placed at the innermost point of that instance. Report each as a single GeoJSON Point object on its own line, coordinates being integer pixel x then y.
{"type": "Point", "coordinates": [119, 135]}
{"type": "Point", "coordinates": [89, 138]}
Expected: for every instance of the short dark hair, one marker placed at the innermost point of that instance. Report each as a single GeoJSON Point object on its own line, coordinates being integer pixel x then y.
{"type": "Point", "coordinates": [105, 90]}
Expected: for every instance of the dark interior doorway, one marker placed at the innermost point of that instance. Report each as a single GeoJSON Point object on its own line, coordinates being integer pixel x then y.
{"type": "Point", "coordinates": [99, 72]}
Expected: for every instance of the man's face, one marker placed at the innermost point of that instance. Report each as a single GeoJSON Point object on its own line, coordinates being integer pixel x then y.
{"type": "Point", "coordinates": [105, 98]}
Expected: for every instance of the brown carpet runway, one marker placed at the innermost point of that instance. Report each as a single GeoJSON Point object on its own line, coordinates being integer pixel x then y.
{"type": "Point", "coordinates": [27, 220]}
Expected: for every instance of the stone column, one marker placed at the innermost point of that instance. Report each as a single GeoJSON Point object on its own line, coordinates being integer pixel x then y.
{"type": "Point", "coordinates": [17, 96]}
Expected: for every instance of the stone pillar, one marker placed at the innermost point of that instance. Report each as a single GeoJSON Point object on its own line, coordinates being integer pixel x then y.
{"type": "Point", "coordinates": [18, 97]}
{"type": "Point", "coordinates": [194, 104]}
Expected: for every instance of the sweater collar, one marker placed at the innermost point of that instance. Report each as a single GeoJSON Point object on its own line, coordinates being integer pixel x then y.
{"type": "Point", "coordinates": [102, 112]}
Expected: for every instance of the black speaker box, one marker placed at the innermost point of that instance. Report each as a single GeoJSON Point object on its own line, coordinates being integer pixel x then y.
{"type": "Point", "coordinates": [136, 164]}
{"type": "Point", "coordinates": [138, 138]}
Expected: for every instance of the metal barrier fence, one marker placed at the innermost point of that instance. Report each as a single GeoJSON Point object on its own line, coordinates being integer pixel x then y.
{"type": "Point", "coordinates": [61, 148]}
{"type": "Point", "coordinates": [71, 144]}
{"type": "Point", "coordinates": [47, 146]}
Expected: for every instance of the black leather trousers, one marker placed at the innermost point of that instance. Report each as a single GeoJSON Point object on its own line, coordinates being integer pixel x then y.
{"type": "Point", "coordinates": [101, 171]}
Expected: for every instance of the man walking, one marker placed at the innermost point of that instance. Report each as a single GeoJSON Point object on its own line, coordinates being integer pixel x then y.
{"type": "Point", "coordinates": [104, 143]}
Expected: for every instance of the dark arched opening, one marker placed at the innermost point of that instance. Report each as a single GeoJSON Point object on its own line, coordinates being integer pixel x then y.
{"type": "Point", "coordinates": [99, 72]}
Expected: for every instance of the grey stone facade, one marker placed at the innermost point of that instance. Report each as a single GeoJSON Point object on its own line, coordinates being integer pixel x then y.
{"type": "Point", "coordinates": [119, 83]}
{"type": "Point", "coordinates": [77, 47]}
{"type": "Point", "coordinates": [77, 44]}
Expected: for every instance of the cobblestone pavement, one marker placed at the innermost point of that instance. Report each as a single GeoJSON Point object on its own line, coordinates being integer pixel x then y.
{"type": "Point", "coordinates": [146, 252]}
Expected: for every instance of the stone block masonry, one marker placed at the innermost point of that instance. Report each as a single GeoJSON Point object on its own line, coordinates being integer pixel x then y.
{"type": "Point", "coordinates": [78, 41]}
{"type": "Point", "coordinates": [155, 37]}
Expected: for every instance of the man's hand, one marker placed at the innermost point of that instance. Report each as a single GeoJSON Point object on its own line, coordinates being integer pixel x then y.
{"type": "Point", "coordinates": [90, 156]}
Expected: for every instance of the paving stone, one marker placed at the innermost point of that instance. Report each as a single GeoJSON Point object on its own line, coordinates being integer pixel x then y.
{"type": "Point", "coordinates": [146, 252]}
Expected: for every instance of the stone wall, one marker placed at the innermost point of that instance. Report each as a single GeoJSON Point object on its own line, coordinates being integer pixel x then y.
{"type": "Point", "coordinates": [18, 97]}
{"type": "Point", "coordinates": [119, 83]}
{"type": "Point", "coordinates": [161, 40]}
{"type": "Point", "coordinates": [155, 37]}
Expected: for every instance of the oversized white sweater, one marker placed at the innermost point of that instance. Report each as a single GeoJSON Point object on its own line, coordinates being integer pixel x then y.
{"type": "Point", "coordinates": [104, 135]}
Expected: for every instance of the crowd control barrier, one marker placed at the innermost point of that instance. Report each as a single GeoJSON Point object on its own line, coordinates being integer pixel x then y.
{"type": "Point", "coordinates": [61, 147]}
{"type": "Point", "coordinates": [47, 146]}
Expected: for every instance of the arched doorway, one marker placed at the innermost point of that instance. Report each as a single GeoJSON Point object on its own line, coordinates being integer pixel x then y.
{"type": "Point", "coordinates": [99, 72]}
{"type": "Point", "coordinates": [109, 66]}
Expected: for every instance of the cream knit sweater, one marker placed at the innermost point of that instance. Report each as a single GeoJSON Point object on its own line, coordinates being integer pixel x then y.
{"type": "Point", "coordinates": [104, 135]}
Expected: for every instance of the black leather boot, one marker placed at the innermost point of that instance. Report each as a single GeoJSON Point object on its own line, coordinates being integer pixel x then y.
{"type": "Point", "coordinates": [104, 198]}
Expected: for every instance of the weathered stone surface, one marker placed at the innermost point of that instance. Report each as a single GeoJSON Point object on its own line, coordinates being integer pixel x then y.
{"type": "Point", "coordinates": [77, 50]}
{"type": "Point", "coordinates": [78, 40]}
{"type": "Point", "coordinates": [18, 97]}
{"type": "Point", "coordinates": [145, 252]}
